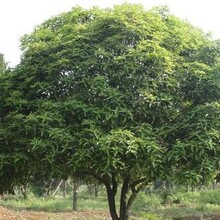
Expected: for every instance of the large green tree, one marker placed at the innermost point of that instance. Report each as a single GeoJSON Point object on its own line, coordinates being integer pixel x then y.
{"type": "Point", "coordinates": [124, 95]}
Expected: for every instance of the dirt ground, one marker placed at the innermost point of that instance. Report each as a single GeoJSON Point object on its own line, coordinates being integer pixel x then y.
{"type": "Point", "coordinates": [207, 217]}
{"type": "Point", "coordinates": [7, 214]}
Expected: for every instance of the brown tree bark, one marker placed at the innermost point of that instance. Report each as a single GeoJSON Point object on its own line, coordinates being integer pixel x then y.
{"type": "Point", "coordinates": [75, 194]}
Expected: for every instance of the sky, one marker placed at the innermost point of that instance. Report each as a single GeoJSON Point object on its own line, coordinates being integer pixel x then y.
{"type": "Point", "coordinates": [20, 17]}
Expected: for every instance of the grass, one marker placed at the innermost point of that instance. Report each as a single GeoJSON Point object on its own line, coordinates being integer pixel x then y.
{"type": "Point", "coordinates": [41, 204]}
{"type": "Point", "coordinates": [162, 205]}
{"type": "Point", "coordinates": [178, 204]}
{"type": "Point", "coordinates": [54, 204]}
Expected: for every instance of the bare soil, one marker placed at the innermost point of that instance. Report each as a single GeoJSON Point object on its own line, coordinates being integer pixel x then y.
{"type": "Point", "coordinates": [8, 214]}
{"type": "Point", "coordinates": [11, 214]}
{"type": "Point", "coordinates": [204, 217]}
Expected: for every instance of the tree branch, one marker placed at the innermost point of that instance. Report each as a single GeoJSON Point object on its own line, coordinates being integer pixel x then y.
{"type": "Point", "coordinates": [134, 194]}
{"type": "Point", "coordinates": [135, 183]}
{"type": "Point", "coordinates": [114, 184]}
{"type": "Point", "coordinates": [96, 176]}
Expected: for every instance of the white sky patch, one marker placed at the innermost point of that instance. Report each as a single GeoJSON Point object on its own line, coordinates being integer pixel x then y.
{"type": "Point", "coordinates": [19, 17]}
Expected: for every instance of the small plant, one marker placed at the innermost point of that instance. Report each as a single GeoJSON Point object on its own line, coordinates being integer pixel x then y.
{"type": "Point", "coordinates": [211, 197]}
{"type": "Point", "coordinates": [151, 216]}
{"type": "Point", "coordinates": [146, 202]}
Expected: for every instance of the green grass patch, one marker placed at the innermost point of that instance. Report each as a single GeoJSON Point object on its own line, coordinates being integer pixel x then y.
{"type": "Point", "coordinates": [39, 204]}
{"type": "Point", "coordinates": [55, 204]}
{"type": "Point", "coordinates": [170, 204]}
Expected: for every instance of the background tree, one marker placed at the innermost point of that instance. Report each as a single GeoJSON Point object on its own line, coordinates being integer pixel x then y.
{"type": "Point", "coordinates": [2, 64]}
{"type": "Point", "coordinates": [5, 160]}
{"type": "Point", "coordinates": [123, 95]}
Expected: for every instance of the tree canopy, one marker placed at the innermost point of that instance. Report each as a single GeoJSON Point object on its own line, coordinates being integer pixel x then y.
{"type": "Point", "coordinates": [124, 95]}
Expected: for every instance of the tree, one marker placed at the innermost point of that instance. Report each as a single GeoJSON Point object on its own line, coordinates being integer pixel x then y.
{"type": "Point", "coordinates": [22, 124]}
{"type": "Point", "coordinates": [5, 156]}
{"type": "Point", "coordinates": [2, 64]}
{"type": "Point", "coordinates": [123, 95]}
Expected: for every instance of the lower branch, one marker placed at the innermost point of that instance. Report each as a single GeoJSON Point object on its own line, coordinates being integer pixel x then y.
{"type": "Point", "coordinates": [135, 192]}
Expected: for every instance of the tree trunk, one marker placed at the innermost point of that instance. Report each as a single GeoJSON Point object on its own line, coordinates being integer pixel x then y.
{"type": "Point", "coordinates": [214, 184]}
{"type": "Point", "coordinates": [93, 189]}
{"type": "Point", "coordinates": [111, 202]}
{"type": "Point", "coordinates": [96, 188]}
{"type": "Point", "coordinates": [75, 194]}
{"type": "Point", "coordinates": [111, 185]}
{"type": "Point", "coordinates": [64, 188]}
{"type": "Point", "coordinates": [123, 201]}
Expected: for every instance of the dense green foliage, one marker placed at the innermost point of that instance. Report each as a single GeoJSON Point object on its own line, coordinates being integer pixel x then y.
{"type": "Point", "coordinates": [123, 95]}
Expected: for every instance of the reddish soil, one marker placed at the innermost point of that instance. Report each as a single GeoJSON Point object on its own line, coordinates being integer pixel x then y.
{"type": "Point", "coordinates": [205, 217]}
{"type": "Point", "coordinates": [8, 214]}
